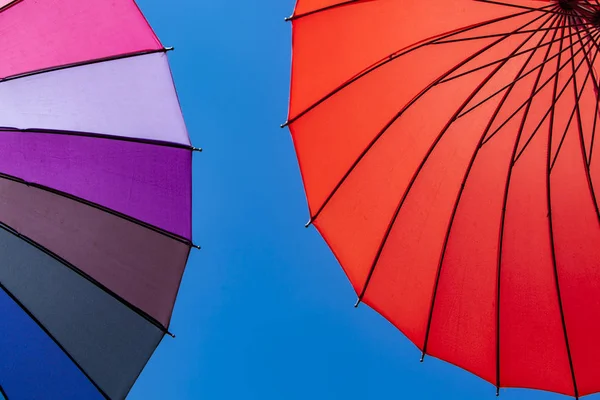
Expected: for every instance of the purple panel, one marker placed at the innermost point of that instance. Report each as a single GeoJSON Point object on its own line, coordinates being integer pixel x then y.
{"type": "Point", "coordinates": [148, 182]}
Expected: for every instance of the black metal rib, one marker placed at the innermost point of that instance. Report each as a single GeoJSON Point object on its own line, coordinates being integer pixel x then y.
{"type": "Point", "coordinates": [320, 10]}
{"type": "Point", "coordinates": [552, 245]}
{"type": "Point", "coordinates": [589, 161]}
{"type": "Point", "coordinates": [126, 217]}
{"type": "Point", "coordinates": [426, 157]}
{"type": "Point", "coordinates": [82, 63]}
{"type": "Point", "coordinates": [506, 86]}
{"type": "Point", "coordinates": [499, 3]}
{"type": "Point", "coordinates": [85, 276]}
{"type": "Point", "coordinates": [407, 106]}
{"type": "Point", "coordinates": [575, 107]}
{"type": "Point", "coordinates": [6, 7]}
{"type": "Point", "coordinates": [451, 78]}
{"type": "Point", "coordinates": [466, 176]}
{"type": "Point", "coordinates": [597, 93]}
{"type": "Point", "coordinates": [580, 129]}
{"type": "Point", "coordinates": [399, 53]}
{"type": "Point", "coordinates": [523, 105]}
{"type": "Point", "coordinates": [538, 127]}
{"type": "Point", "coordinates": [60, 346]}
{"type": "Point", "coordinates": [91, 134]}
{"type": "Point", "coordinates": [98, 135]}
{"type": "Point", "coordinates": [573, 111]}
{"type": "Point", "coordinates": [492, 35]}
{"type": "Point", "coordinates": [553, 103]}
{"type": "Point", "coordinates": [503, 213]}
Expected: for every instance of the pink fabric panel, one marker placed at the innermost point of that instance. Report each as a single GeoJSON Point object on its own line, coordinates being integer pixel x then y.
{"type": "Point", "coordinates": [38, 34]}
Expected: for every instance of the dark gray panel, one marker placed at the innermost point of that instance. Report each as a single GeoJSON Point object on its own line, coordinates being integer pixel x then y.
{"type": "Point", "coordinates": [107, 339]}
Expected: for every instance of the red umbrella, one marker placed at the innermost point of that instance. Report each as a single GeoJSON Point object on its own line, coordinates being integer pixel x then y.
{"type": "Point", "coordinates": [447, 153]}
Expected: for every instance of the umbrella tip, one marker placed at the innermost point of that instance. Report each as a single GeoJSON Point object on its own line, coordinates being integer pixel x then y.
{"type": "Point", "coordinates": [198, 149]}
{"type": "Point", "coordinates": [358, 301]}
{"type": "Point", "coordinates": [286, 123]}
{"type": "Point", "coordinates": [497, 391]}
{"type": "Point", "coordinates": [170, 48]}
{"type": "Point", "coordinates": [171, 334]}
{"type": "Point", "coordinates": [422, 357]}
{"type": "Point", "coordinates": [309, 223]}
{"type": "Point", "coordinates": [287, 19]}
{"type": "Point", "coordinates": [195, 246]}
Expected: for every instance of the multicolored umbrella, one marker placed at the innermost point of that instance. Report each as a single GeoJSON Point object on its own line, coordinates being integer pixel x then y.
{"type": "Point", "coordinates": [95, 197]}
{"type": "Point", "coordinates": [449, 158]}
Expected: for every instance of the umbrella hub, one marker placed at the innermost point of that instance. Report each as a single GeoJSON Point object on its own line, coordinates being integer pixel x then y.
{"type": "Point", "coordinates": [567, 4]}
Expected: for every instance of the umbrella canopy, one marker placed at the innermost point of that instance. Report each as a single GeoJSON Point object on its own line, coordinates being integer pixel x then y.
{"type": "Point", "coordinates": [95, 197]}
{"type": "Point", "coordinates": [448, 154]}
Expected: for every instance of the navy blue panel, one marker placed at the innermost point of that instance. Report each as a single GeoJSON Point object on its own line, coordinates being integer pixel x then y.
{"type": "Point", "coordinates": [32, 366]}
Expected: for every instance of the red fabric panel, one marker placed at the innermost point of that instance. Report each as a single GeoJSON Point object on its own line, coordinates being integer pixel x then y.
{"type": "Point", "coordinates": [403, 280]}
{"type": "Point", "coordinates": [399, 151]}
{"type": "Point", "coordinates": [577, 239]}
{"type": "Point", "coordinates": [532, 345]}
{"type": "Point", "coordinates": [332, 46]}
{"type": "Point", "coordinates": [347, 122]}
{"type": "Point", "coordinates": [464, 319]}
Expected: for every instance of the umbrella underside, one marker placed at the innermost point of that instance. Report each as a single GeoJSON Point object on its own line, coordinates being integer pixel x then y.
{"type": "Point", "coordinates": [448, 154]}
{"type": "Point", "coordinates": [95, 197]}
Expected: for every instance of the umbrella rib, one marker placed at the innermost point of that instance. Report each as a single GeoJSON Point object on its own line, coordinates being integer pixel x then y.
{"type": "Point", "coordinates": [399, 53]}
{"type": "Point", "coordinates": [351, 2]}
{"type": "Point", "coordinates": [83, 63]}
{"type": "Point", "coordinates": [589, 162]}
{"type": "Point", "coordinates": [519, 6]}
{"type": "Point", "coordinates": [597, 93]}
{"type": "Point", "coordinates": [501, 34]}
{"type": "Point", "coordinates": [551, 234]}
{"type": "Point", "coordinates": [2, 392]}
{"type": "Point", "coordinates": [128, 218]}
{"type": "Point", "coordinates": [87, 277]}
{"type": "Point", "coordinates": [422, 164]}
{"type": "Point", "coordinates": [575, 107]}
{"type": "Point", "coordinates": [503, 212]}
{"type": "Point", "coordinates": [500, 60]}
{"type": "Point", "coordinates": [6, 7]}
{"type": "Point", "coordinates": [407, 106]}
{"type": "Point", "coordinates": [323, 9]}
{"type": "Point", "coordinates": [98, 135]}
{"type": "Point", "coordinates": [596, 111]}
{"type": "Point", "coordinates": [554, 100]}
{"type": "Point", "coordinates": [540, 89]}
{"type": "Point", "coordinates": [522, 77]}
{"type": "Point", "coordinates": [580, 129]}
{"type": "Point", "coordinates": [466, 176]}
{"type": "Point", "coordinates": [56, 342]}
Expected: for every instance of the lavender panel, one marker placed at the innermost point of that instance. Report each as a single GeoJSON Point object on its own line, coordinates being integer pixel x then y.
{"type": "Point", "coordinates": [132, 97]}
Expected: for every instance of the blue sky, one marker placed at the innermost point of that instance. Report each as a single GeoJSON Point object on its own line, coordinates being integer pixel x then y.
{"type": "Point", "coordinates": [264, 310]}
